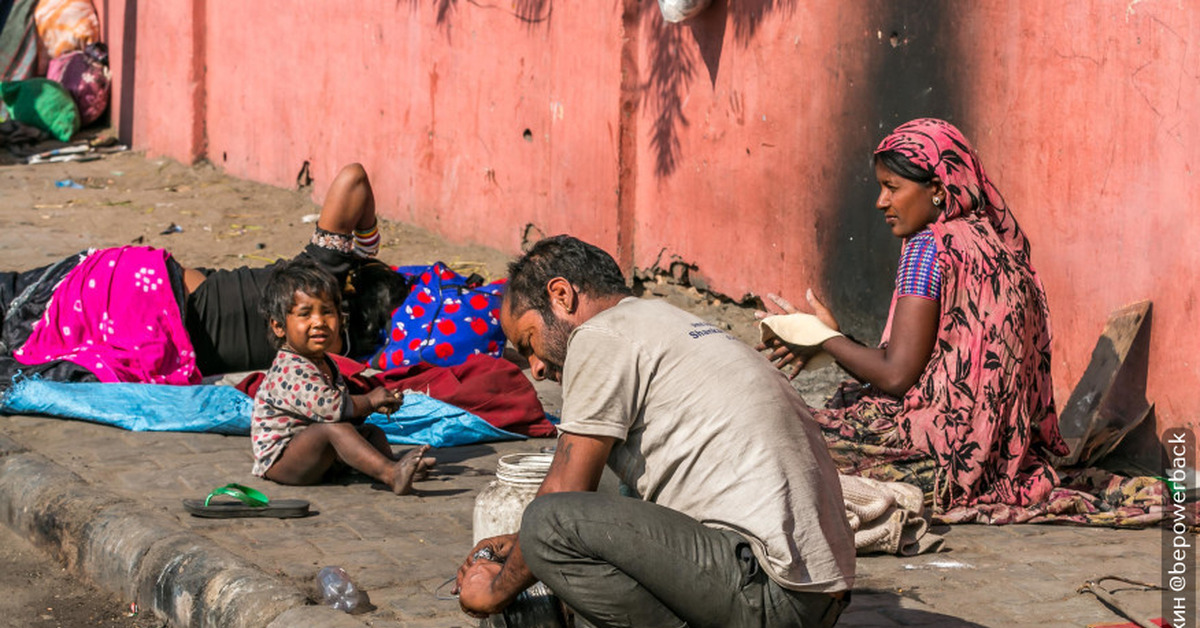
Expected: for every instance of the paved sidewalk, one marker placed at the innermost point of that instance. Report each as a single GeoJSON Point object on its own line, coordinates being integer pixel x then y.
{"type": "Point", "coordinates": [106, 502]}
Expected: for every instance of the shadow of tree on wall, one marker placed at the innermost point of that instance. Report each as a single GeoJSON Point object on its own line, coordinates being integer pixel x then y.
{"type": "Point", "coordinates": [534, 11]}
{"type": "Point", "coordinates": [672, 70]}
{"type": "Point", "coordinates": [746, 17]}
{"type": "Point", "coordinates": [676, 53]}
{"type": "Point", "coordinates": [530, 12]}
{"type": "Point", "coordinates": [444, 9]}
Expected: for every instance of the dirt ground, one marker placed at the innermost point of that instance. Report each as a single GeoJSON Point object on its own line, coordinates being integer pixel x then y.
{"type": "Point", "coordinates": [202, 216]}
{"type": "Point", "coordinates": [38, 593]}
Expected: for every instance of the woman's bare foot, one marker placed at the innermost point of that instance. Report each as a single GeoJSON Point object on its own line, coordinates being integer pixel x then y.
{"type": "Point", "coordinates": [406, 469]}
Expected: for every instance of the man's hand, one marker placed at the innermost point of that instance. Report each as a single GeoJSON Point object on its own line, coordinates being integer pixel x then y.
{"type": "Point", "coordinates": [477, 577]}
{"type": "Point", "coordinates": [487, 584]}
{"type": "Point", "coordinates": [477, 595]}
{"type": "Point", "coordinates": [499, 546]}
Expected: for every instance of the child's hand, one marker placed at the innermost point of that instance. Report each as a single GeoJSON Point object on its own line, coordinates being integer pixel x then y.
{"type": "Point", "coordinates": [384, 400]}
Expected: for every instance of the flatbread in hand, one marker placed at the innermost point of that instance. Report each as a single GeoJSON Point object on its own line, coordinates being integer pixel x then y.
{"type": "Point", "coordinates": [802, 330]}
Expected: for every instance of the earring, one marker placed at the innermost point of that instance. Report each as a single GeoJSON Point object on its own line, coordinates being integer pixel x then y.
{"type": "Point", "coordinates": [937, 200]}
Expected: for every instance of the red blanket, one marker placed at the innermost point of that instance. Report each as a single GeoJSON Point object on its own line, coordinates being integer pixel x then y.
{"type": "Point", "coordinates": [494, 390]}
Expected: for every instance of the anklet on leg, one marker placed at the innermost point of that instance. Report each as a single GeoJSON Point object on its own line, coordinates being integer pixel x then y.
{"type": "Point", "coordinates": [366, 243]}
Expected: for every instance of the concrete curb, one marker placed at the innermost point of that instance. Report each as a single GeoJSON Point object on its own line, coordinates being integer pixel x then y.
{"type": "Point", "coordinates": [182, 577]}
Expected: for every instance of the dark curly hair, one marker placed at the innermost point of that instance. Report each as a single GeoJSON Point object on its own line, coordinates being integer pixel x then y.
{"type": "Point", "coordinates": [373, 292]}
{"type": "Point", "coordinates": [288, 277]}
{"type": "Point", "coordinates": [589, 269]}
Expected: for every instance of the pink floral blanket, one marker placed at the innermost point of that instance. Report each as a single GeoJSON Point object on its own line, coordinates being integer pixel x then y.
{"type": "Point", "coordinates": [115, 314]}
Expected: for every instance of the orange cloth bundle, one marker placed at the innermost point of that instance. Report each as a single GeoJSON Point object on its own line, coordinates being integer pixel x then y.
{"type": "Point", "coordinates": [66, 26]}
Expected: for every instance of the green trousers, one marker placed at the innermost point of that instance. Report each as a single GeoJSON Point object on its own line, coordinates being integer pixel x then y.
{"type": "Point", "coordinates": [619, 561]}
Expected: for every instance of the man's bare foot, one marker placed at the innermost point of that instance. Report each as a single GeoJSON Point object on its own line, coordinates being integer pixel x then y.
{"type": "Point", "coordinates": [405, 470]}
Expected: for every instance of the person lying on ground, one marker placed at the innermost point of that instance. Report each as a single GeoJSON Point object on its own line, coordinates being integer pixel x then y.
{"type": "Point", "coordinates": [305, 419]}
{"type": "Point", "coordinates": [957, 398]}
{"type": "Point", "coordinates": [738, 520]}
{"type": "Point", "coordinates": [85, 317]}
{"type": "Point", "coordinates": [222, 317]}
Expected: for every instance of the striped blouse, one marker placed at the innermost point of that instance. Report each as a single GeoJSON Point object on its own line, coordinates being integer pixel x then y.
{"type": "Point", "coordinates": [918, 275]}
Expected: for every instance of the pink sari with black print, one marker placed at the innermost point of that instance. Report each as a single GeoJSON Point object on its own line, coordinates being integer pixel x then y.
{"type": "Point", "coordinates": [115, 314]}
{"type": "Point", "coordinates": [978, 430]}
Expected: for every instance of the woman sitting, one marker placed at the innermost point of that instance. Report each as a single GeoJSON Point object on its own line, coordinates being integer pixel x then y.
{"type": "Point", "coordinates": [957, 399]}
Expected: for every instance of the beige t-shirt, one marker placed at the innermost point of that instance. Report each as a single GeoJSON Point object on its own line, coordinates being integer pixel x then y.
{"type": "Point", "coordinates": [709, 428]}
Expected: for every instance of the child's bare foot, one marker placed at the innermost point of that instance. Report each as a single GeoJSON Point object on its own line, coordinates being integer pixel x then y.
{"type": "Point", "coordinates": [405, 470]}
{"type": "Point", "coordinates": [423, 468]}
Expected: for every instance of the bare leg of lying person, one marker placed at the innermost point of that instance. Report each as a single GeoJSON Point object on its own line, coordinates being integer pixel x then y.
{"type": "Point", "coordinates": [350, 203]}
{"type": "Point", "coordinates": [350, 209]}
{"type": "Point", "coordinates": [221, 315]}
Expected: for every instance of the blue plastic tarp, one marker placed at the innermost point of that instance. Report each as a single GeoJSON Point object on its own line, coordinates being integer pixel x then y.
{"type": "Point", "coordinates": [135, 407]}
{"type": "Point", "coordinates": [226, 410]}
{"type": "Point", "coordinates": [425, 420]}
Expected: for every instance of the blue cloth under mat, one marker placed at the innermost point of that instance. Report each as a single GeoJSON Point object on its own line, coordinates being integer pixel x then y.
{"type": "Point", "coordinates": [226, 410]}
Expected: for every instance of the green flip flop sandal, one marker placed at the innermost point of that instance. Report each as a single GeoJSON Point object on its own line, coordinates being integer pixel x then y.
{"type": "Point", "coordinates": [249, 503]}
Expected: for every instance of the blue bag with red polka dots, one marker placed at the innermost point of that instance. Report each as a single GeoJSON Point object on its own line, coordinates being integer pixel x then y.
{"type": "Point", "coordinates": [445, 319]}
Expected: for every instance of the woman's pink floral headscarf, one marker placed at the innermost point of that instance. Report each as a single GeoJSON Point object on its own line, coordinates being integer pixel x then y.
{"type": "Point", "coordinates": [937, 146]}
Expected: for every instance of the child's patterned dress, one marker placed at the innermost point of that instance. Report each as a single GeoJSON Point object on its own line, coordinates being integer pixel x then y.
{"type": "Point", "coordinates": [294, 395]}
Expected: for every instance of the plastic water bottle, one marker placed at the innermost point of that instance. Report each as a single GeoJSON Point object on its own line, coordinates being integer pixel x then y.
{"type": "Point", "coordinates": [337, 589]}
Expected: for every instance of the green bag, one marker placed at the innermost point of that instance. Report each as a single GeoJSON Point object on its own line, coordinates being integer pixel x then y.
{"type": "Point", "coordinates": [43, 104]}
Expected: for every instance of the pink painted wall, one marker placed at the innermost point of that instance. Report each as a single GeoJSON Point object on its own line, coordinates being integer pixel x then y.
{"type": "Point", "coordinates": [157, 61]}
{"type": "Point", "coordinates": [746, 192]}
{"type": "Point", "coordinates": [472, 122]}
{"type": "Point", "coordinates": [738, 142]}
{"type": "Point", "coordinates": [1095, 120]}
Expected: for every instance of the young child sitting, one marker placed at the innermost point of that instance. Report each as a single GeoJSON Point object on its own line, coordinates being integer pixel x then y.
{"type": "Point", "coordinates": [305, 418]}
